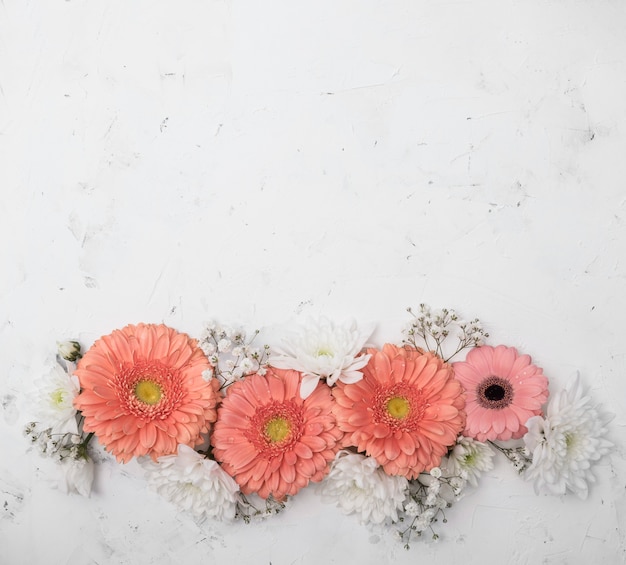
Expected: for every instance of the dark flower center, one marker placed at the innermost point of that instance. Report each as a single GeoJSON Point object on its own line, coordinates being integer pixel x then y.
{"type": "Point", "coordinates": [494, 393]}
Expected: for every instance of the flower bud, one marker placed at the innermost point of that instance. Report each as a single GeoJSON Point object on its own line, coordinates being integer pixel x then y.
{"type": "Point", "coordinates": [69, 350]}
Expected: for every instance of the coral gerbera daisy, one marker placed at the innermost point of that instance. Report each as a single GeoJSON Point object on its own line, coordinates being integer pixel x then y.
{"type": "Point", "coordinates": [405, 412]}
{"type": "Point", "coordinates": [143, 391]}
{"type": "Point", "coordinates": [503, 390]}
{"type": "Point", "coordinates": [271, 440]}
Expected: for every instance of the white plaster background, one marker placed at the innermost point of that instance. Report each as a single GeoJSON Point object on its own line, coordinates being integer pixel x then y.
{"type": "Point", "coordinates": [252, 161]}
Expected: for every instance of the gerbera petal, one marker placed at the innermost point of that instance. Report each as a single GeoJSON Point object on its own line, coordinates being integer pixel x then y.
{"type": "Point", "coordinates": [297, 438]}
{"type": "Point", "coordinates": [288, 472]}
{"type": "Point", "coordinates": [498, 421]}
{"type": "Point", "coordinates": [405, 420]}
{"type": "Point", "coordinates": [503, 360]}
{"type": "Point", "coordinates": [135, 402]}
{"type": "Point", "coordinates": [510, 391]}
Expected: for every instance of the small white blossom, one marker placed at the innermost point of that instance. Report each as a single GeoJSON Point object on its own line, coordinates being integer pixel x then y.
{"type": "Point", "coordinates": [69, 350]}
{"type": "Point", "coordinates": [253, 351]}
{"type": "Point", "coordinates": [323, 350]}
{"type": "Point", "coordinates": [425, 519]}
{"type": "Point", "coordinates": [246, 365]}
{"type": "Point", "coordinates": [79, 474]}
{"type": "Point", "coordinates": [470, 458]}
{"type": "Point", "coordinates": [434, 487]}
{"type": "Point", "coordinates": [567, 442]}
{"type": "Point", "coordinates": [224, 345]}
{"type": "Point", "coordinates": [359, 486]}
{"type": "Point", "coordinates": [411, 509]}
{"type": "Point", "coordinates": [56, 401]}
{"type": "Point", "coordinates": [435, 472]}
{"type": "Point", "coordinates": [193, 483]}
{"type": "Point", "coordinates": [207, 375]}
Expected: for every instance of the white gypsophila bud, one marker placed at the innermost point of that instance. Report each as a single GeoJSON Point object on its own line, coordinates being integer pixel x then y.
{"type": "Point", "coordinates": [411, 509]}
{"type": "Point", "coordinates": [237, 351]}
{"type": "Point", "coordinates": [434, 487]}
{"type": "Point", "coordinates": [261, 371]}
{"type": "Point", "coordinates": [208, 348]}
{"type": "Point", "coordinates": [236, 335]}
{"type": "Point", "coordinates": [207, 375]}
{"type": "Point", "coordinates": [454, 482]}
{"type": "Point", "coordinates": [69, 350]}
{"type": "Point", "coordinates": [224, 345]}
{"type": "Point", "coordinates": [435, 472]}
{"type": "Point", "coordinates": [246, 365]}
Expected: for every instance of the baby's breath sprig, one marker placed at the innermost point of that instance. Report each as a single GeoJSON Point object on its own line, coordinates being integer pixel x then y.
{"type": "Point", "coordinates": [231, 354]}
{"type": "Point", "coordinates": [427, 499]}
{"type": "Point", "coordinates": [247, 511]}
{"type": "Point", "coordinates": [520, 457]}
{"type": "Point", "coordinates": [58, 446]}
{"type": "Point", "coordinates": [431, 328]}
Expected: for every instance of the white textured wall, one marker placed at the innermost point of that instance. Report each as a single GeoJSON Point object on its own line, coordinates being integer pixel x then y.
{"type": "Point", "coordinates": [249, 161]}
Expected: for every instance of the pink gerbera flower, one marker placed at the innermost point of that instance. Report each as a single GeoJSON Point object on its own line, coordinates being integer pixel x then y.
{"type": "Point", "coordinates": [271, 440]}
{"type": "Point", "coordinates": [405, 412]}
{"type": "Point", "coordinates": [503, 390]}
{"type": "Point", "coordinates": [143, 391]}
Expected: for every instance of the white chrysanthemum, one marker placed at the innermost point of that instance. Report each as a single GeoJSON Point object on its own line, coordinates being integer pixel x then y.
{"type": "Point", "coordinates": [357, 484]}
{"type": "Point", "coordinates": [79, 474]}
{"type": "Point", "coordinates": [469, 459]}
{"type": "Point", "coordinates": [321, 349]}
{"type": "Point", "coordinates": [193, 483]}
{"type": "Point", "coordinates": [56, 396]}
{"type": "Point", "coordinates": [566, 443]}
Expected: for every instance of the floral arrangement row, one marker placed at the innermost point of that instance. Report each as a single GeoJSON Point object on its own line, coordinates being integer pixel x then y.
{"type": "Point", "coordinates": [394, 435]}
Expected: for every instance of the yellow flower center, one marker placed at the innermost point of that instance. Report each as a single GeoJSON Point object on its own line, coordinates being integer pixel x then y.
{"type": "Point", "coordinates": [398, 407]}
{"type": "Point", "coordinates": [324, 351]}
{"type": "Point", "coordinates": [148, 392]}
{"type": "Point", "coordinates": [277, 429]}
{"type": "Point", "coordinates": [57, 397]}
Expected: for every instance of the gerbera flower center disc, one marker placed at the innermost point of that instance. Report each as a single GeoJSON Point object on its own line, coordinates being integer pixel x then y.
{"type": "Point", "coordinates": [277, 429]}
{"type": "Point", "coordinates": [148, 392]}
{"type": "Point", "coordinates": [399, 407]}
{"type": "Point", "coordinates": [149, 389]}
{"type": "Point", "coordinates": [494, 393]}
